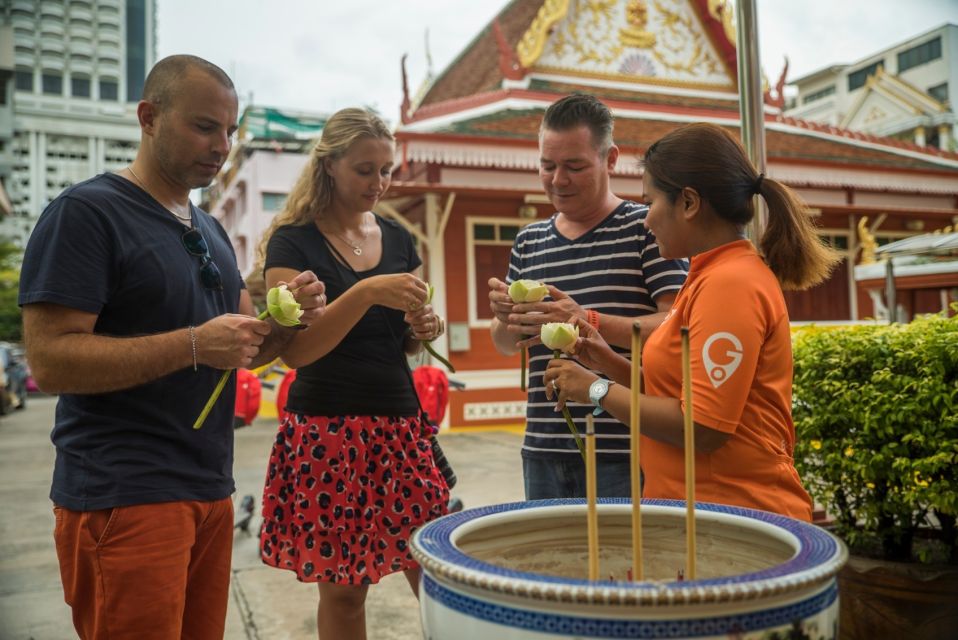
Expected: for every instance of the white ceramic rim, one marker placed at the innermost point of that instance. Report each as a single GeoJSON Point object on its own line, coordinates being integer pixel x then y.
{"type": "Point", "coordinates": [818, 556]}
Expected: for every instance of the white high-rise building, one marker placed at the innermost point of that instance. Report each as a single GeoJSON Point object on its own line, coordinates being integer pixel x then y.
{"type": "Point", "coordinates": [907, 91]}
{"type": "Point", "coordinates": [78, 72]}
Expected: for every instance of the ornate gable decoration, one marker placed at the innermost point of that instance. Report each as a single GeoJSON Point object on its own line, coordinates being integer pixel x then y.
{"type": "Point", "coordinates": [653, 42]}
{"type": "Point", "coordinates": [888, 101]}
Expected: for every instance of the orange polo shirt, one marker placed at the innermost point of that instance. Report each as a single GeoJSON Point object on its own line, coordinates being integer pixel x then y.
{"type": "Point", "coordinates": [741, 360]}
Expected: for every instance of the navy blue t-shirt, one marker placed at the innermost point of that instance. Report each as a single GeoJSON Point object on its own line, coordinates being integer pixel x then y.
{"type": "Point", "coordinates": [105, 246]}
{"type": "Point", "coordinates": [365, 374]}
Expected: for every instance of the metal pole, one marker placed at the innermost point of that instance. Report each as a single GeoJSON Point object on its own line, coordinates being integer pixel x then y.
{"type": "Point", "coordinates": [891, 293]}
{"type": "Point", "coordinates": [751, 102]}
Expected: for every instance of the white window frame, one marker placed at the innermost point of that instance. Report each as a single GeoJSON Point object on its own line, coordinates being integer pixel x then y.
{"type": "Point", "coordinates": [471, 221]}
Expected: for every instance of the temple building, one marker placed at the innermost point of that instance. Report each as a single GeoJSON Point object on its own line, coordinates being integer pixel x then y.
{"type": "Point", "coordinates": [468, 153]}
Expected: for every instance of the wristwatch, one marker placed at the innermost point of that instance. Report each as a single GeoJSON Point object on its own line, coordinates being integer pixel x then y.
{"type": "Point", "coordinates": [597, 391]}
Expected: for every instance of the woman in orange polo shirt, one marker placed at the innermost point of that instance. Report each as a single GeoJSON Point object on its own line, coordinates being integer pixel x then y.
{"type": "Point", "coordinates": [700, 187]}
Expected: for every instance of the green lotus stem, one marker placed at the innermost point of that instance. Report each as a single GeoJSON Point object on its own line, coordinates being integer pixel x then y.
{"type": "Point", "coordinates": [428, 345]}
{"type": "Point", "coordinates": [219, 387]}
{"type": "Point", "coordinates": [568, 419]}
{"type": "Point", "coordinates": [213, 398]}
{"type": "Point", "coordinates": [522, 368]}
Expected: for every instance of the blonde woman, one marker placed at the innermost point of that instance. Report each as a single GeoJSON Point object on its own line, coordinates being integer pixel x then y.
{"type": "Point", "coordinates": [351, 474]}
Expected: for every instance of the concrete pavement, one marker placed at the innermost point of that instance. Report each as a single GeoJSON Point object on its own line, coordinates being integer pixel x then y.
{"type": "Point", "coordinates": [265, 603]}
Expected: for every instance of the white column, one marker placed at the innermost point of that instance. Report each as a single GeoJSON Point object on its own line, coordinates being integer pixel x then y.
{"type": "Point", "coordinates": [944, 137]}
{"type": "Point", "coordinates": [38, 183]}
{"type": "Point", "coordinates": [920, 136]}
{"type": "Point", "coordinates": [436, 272]}
{"type": "Point", "coordinates": [100, 155]}
{"type": "Point", "coordinates": [91, 151]}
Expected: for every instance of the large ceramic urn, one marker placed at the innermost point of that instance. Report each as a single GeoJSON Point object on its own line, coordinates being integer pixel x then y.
{"type": "Point", "coordinates": [518, 570]}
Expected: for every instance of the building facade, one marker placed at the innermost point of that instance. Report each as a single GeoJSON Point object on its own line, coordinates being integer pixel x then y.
{"type": "Point", "coordinates": [468, 180]}
{"type": "Point", "coordinates": [269, 155]}
{"type": "Point", "coordinates": [78, 73]}
{"type": "Point", "coordinates": [907, 91]}
{"type": "Point", "coordinates": [467, 150]}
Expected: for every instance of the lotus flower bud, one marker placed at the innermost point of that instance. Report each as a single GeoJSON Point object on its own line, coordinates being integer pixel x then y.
{"type": "Point", "coordinates": [527, 291]}
{"type": "Point", "coordinates": [282, 306]}
{"type": "Point", "coordinates": [559, 336]}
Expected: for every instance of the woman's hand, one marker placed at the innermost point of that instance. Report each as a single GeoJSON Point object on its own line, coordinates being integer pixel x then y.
{"type": "Point", "coordinates": [424, 323]}
{"type": "Point", "coordinates": [567, 380]}
{"type": "Point", "coordinates": [402, 291]}
{"type": "Point", "coordinates": [310, 292]}
{"type": "Point", "coordinates": [594, 352]}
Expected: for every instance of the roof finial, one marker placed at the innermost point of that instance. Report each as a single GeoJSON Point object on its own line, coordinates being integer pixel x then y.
{"type": "Point", "coordinates": [406, 105]}
{"type": "Point", "coordinates": [429, 75]}
{"type": "Point", "coordinates": [508, 61]}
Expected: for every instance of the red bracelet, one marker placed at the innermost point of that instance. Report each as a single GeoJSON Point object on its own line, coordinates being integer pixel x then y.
{"type": "Point", "coordinates": [593, 318]}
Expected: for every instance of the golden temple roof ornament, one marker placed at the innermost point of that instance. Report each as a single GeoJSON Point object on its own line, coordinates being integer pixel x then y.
{"type": "Point", "coordinates": [724, 12]}
{"type": "Point", "coordinates": [534, 39]}
{"type": "Point", "coordinates": [635, 35]}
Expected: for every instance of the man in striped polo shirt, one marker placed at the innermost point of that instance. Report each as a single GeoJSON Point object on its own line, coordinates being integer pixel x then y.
{"type": "Point", "coordinates": [602, 266]}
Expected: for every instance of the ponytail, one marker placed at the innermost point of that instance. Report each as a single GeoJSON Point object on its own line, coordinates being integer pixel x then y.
{"type": "Point", "coordinates": [707, 158]}
{"type": "Point", "coordinates": [793, 250]}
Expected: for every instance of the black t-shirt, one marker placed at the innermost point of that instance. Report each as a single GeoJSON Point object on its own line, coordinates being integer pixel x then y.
{"type": "Point", "coordinates": [366, 373]}
{"type": "Point", "coordinates": [105, 246]}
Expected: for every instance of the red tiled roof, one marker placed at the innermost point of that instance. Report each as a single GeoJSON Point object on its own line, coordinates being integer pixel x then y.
{"type": "Point", "coordinates": [637, 134]}
{"type": "Point", "coordinates": [644, 97]}
{"type": "Point", "coordinates": [476, 69]}
{"type": "Point", "coordinates": [867, 137]}
{"type": "Point", "coordinates": [474, 78]}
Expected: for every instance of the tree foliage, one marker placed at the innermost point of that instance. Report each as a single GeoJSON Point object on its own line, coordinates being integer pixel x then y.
{"type": "Point", "coordinates": [10, 322]}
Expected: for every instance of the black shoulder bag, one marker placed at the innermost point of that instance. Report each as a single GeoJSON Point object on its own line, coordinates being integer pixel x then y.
{"type": "Point", "coordinates": [437, 453]}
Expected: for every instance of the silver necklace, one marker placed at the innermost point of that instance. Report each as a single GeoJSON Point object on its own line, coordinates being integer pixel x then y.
{"type": "Point", "coordinates": [188, 218]}
{"type": "Point", "coordinates": [356, 247]}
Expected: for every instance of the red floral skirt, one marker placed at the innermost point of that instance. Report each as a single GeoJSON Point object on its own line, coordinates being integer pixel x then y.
{"type": "Point", "coordinates": [344, 494]}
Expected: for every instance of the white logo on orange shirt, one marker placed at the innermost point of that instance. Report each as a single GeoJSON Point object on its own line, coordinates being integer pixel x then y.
{"type": "Point", "coordinates": [719, 373]}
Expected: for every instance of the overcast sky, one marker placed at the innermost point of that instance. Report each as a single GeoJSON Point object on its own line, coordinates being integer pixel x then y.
{"type": "Point", "coordinates": [323, 55]}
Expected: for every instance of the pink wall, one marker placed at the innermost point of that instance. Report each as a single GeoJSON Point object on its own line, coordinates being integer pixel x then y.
{"type": "Point", "coordinates": [240, 208]}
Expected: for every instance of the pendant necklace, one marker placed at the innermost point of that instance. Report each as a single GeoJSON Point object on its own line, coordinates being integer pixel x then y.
{"type": "Point", "coordinates": [356, 247]}
{"type": "Point", "coordinates": [185, 219]}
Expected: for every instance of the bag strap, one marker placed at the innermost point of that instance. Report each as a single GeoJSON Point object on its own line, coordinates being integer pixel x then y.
{"type": "Point", "coordinates": [339, 258]}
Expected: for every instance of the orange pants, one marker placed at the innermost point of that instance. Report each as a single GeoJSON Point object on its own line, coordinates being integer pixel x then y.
{"type": "Point", "coordinates": [147, 571]}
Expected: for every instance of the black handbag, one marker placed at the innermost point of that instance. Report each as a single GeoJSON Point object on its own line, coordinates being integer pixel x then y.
{"type": "Point", "coordinates": [437, 453]}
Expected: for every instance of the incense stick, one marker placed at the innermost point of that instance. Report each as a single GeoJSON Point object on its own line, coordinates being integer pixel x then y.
{"type": "Point", "coordinates": [592, 520]}
{"type": "Point", "coordinates": [689, 459]}
{"type": "Point", "coordinates": [636, 468]}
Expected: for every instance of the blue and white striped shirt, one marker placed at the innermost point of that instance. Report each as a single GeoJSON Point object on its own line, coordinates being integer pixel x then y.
{"type": "Point", "coordinates": [614, 269]}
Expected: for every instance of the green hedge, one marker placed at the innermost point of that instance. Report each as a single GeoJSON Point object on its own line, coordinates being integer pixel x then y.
{"type": "Point", "coordinates": [875, 413]}
{"type": "Point", "coordinates": [10, 322]}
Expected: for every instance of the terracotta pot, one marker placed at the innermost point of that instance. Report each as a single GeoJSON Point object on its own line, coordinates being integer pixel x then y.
{"type": "Point", "coordinates": [881, 599]}
{"type": "Point", "coordinates": [517, 572]}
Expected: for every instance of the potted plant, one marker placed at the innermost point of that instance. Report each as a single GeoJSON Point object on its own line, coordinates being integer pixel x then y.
{"type": "Point", "coordinates": [876, 416]}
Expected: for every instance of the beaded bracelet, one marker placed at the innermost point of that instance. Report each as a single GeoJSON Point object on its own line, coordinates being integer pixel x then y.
{"type": "Point", "coordinates": [193, 345]}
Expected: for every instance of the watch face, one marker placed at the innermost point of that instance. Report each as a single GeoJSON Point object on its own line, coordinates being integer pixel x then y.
{"type": "Point", "coordinates": [597, 390]}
